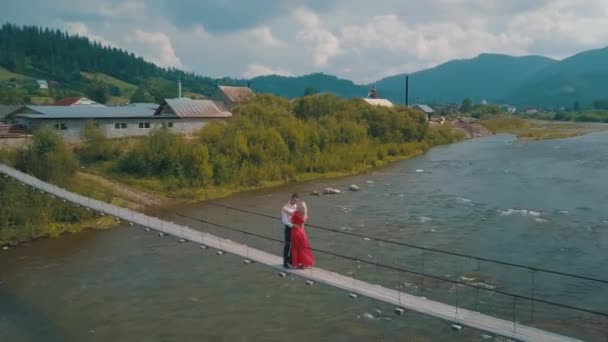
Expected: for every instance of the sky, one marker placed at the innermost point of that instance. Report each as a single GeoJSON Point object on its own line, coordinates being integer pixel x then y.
{"type": "Point", "coordinates": [354, 39]}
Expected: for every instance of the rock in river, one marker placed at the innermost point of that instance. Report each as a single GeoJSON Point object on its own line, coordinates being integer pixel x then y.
{"type": "Point", "coordinates": [331, 191]}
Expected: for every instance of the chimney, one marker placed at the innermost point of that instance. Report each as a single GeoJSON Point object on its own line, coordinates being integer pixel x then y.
{"type": "Point", "coordinates": [179, 89]}
{"type": "Point", "coordinates": [407, 90]}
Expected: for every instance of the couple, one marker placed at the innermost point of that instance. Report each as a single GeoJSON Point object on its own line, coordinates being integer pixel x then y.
{"type": "Point", "coordinates": [297, 252]}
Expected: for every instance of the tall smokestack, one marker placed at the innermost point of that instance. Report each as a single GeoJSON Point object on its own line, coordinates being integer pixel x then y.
{"type": "Point", "coordinates": [407, 90]}
{"type": "Point", "coordinates": [179, 89]}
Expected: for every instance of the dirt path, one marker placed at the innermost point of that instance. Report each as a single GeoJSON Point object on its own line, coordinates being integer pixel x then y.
{"type": "Point", "coordinates": [139, 197]}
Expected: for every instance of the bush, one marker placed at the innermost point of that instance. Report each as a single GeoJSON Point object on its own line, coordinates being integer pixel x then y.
{"type": "Point", "coordinates": [269, 139]}
{"type": "Point", "coordinates": [47, 158]}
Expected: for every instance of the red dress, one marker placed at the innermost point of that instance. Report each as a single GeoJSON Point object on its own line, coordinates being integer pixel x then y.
{"type": "Point", "coordinates": [301, 254]}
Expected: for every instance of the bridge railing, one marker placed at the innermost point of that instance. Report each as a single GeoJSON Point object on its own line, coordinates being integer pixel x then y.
{"type": "Point", "coordinates": [460, 280]}
{"type": "Point", "coordinates": [399, 275]}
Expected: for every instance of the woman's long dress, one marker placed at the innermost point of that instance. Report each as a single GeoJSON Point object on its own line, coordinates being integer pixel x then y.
{"type": "Point", "coordinates": [301, 254]}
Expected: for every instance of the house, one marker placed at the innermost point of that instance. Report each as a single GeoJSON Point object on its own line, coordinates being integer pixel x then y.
{"type": "Point", "coordinates": [379, 102]}
{"type": "Point", "coordinates": [508, 108]}
{"type": "Point", "coordinates": [42, 84]}
{"type": "Point", "coordinates": [182, 116]}
{"type": "Point", "coordinates": [227, 97]}
{"type": "Point", "coordinates": [424, 108]}
{"type": "Point", "coordinates": [531, 111]}
{"type": "Point", "coordinates": [6, 110]}
{"type": "Point", "coordinates": [77, 101]}
{"type": "Point", "coordinates": [374, 99]}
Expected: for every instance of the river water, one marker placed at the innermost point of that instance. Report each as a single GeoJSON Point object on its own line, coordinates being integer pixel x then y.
{"type": "Point", "coordinates": [542, 204]}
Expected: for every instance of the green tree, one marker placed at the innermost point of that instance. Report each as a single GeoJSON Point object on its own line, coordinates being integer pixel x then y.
{"type": "Point", "coordinates": [98, 92]}
{"type": "Point", "coordinates": [47, 157]}
{"type": "Point", "coordinates": [140, 96]}
{"type": "Point", "coordinates": [95, 146]}
{"type": "Point", "coordinates": [310, 91]}
{"type": "Point", "coordinates": [466, 106]}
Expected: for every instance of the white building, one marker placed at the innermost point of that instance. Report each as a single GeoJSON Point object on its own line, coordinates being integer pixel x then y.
{"type": "Point", "coordinates": [42, 84]}
{"type": "Point", "coordinates": [183, 116]}
{"type": "Point", "coordinates": [379, 102]}
{"type": "Point", "coordinates": [77, 101]}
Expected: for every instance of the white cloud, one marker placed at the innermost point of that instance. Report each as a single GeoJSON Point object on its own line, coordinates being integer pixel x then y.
{"type": "Point", "coordinates": [326, 44]}
{"type": "Point", "coordinates": [348, 38]}
{"type": "Point", "coordinates": [264, 36]}
{"type": "Point", "coordinates": [155, 46]}
{"type": "Point", "coordinates": [127, 8]}
{"type": "Point", "coordinates": [254, 70]}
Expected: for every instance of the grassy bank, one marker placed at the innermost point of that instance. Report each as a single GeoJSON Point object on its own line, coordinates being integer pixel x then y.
{"type": "Point", "coordinates": [153, 188]}
{"type": "Point", "coordinates": [268, 142]}
{"type": "Point", "coordinates": [26, 214]}
{"type": "Point", "coordinates": [539, 130]}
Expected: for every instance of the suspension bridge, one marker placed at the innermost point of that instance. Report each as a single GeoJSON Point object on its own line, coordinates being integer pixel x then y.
{"type": "Point", "coordinates": [402, 301]}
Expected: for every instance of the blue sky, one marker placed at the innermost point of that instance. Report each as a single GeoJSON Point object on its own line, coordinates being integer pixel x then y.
{"type": "Point", "coordinates": [356, 39]}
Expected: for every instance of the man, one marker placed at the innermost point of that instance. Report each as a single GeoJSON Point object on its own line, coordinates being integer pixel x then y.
{"type": "Point", "coordinates": [286, 213]}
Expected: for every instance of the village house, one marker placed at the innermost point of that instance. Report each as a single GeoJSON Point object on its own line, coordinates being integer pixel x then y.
{"type": "Point", "coordinates": [508, 108]}
{"type": "Point", "coordinates": [42, 84]}
{"type": "Point", "coordinates": [182, 116]}
{"type": "Point", "coordinates": [77, 101]}
{"type": "Point", "coordinates": [379, 102]}
{"type": "Point", "coordinates": [425, 109]}
{"type": "Point", "coordinates": [374, 100]}
{"type": "Point", "coordinates": [227, 97]}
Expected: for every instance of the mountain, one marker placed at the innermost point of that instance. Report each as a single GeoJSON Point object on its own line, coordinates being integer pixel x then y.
{"type": "Point", "coordinates": [296, 86]}
{"type": "Point", "coordinates": [486, 77]}
{"type": "Point", "coordinates": [75, 66]}
{"type": "Point", "coordinates": [581, 78]}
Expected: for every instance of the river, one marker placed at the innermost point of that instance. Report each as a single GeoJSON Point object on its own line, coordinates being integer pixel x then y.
{"type": "Point", "coordinates": [537, 203]}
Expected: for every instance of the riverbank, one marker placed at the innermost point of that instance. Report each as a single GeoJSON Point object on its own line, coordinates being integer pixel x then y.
{"type": "Point", "coordinates": [526, 129]}
{"type": "Point", "coordinates": [26, 214]}
{"type": "Point", "coordinates": [142, 192]}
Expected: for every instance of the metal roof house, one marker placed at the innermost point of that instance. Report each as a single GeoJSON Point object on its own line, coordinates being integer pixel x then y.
{"type": "Point", "coordinates": [425, 109]}
{"type": "Point", "coordinates": [227, 97]}
{"type": "Point", "coordinates": [77, 101]}
{"type": "Point", "coordinates": [182, 116]}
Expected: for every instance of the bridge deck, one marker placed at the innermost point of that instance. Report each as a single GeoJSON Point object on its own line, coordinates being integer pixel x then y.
{"type": "Point", "coordinates": [401, 299]}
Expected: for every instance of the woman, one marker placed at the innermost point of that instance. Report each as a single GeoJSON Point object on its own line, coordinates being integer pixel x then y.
{"type": "Point", "coordinates": [301, 254]}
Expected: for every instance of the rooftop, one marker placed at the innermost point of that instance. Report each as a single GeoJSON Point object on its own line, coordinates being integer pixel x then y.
{"type": "Point", "coordinates": [85, 112]}
{"type": "Point", "coordinates": [238, 94]}
{"type": "Point", "coordinates": [423, 108]}
{"type": "Point", "coordinates": [71, 101]}
{"type": "Point", "coordinates": [379, 102]}
{"type": "Point", "coordinates": [188, 108]}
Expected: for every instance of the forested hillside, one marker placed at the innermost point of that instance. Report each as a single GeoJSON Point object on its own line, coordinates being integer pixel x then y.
{"type": "Point", "coordinates": [74, 65]}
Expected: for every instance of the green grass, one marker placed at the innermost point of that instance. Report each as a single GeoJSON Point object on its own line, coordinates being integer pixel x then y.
{"type": "Point", "coordinates": [155, 185]}
{"type": "Point", "coordinates": [42, 100]}
{"type": "Point", "coordinates": [117, 101]}
{"type": "Point", "coordinates": [124, 87]}
{"type": "Point", "coordinates": [6, 75]}
{"type": "Point", "coordinates": [539, 130]}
